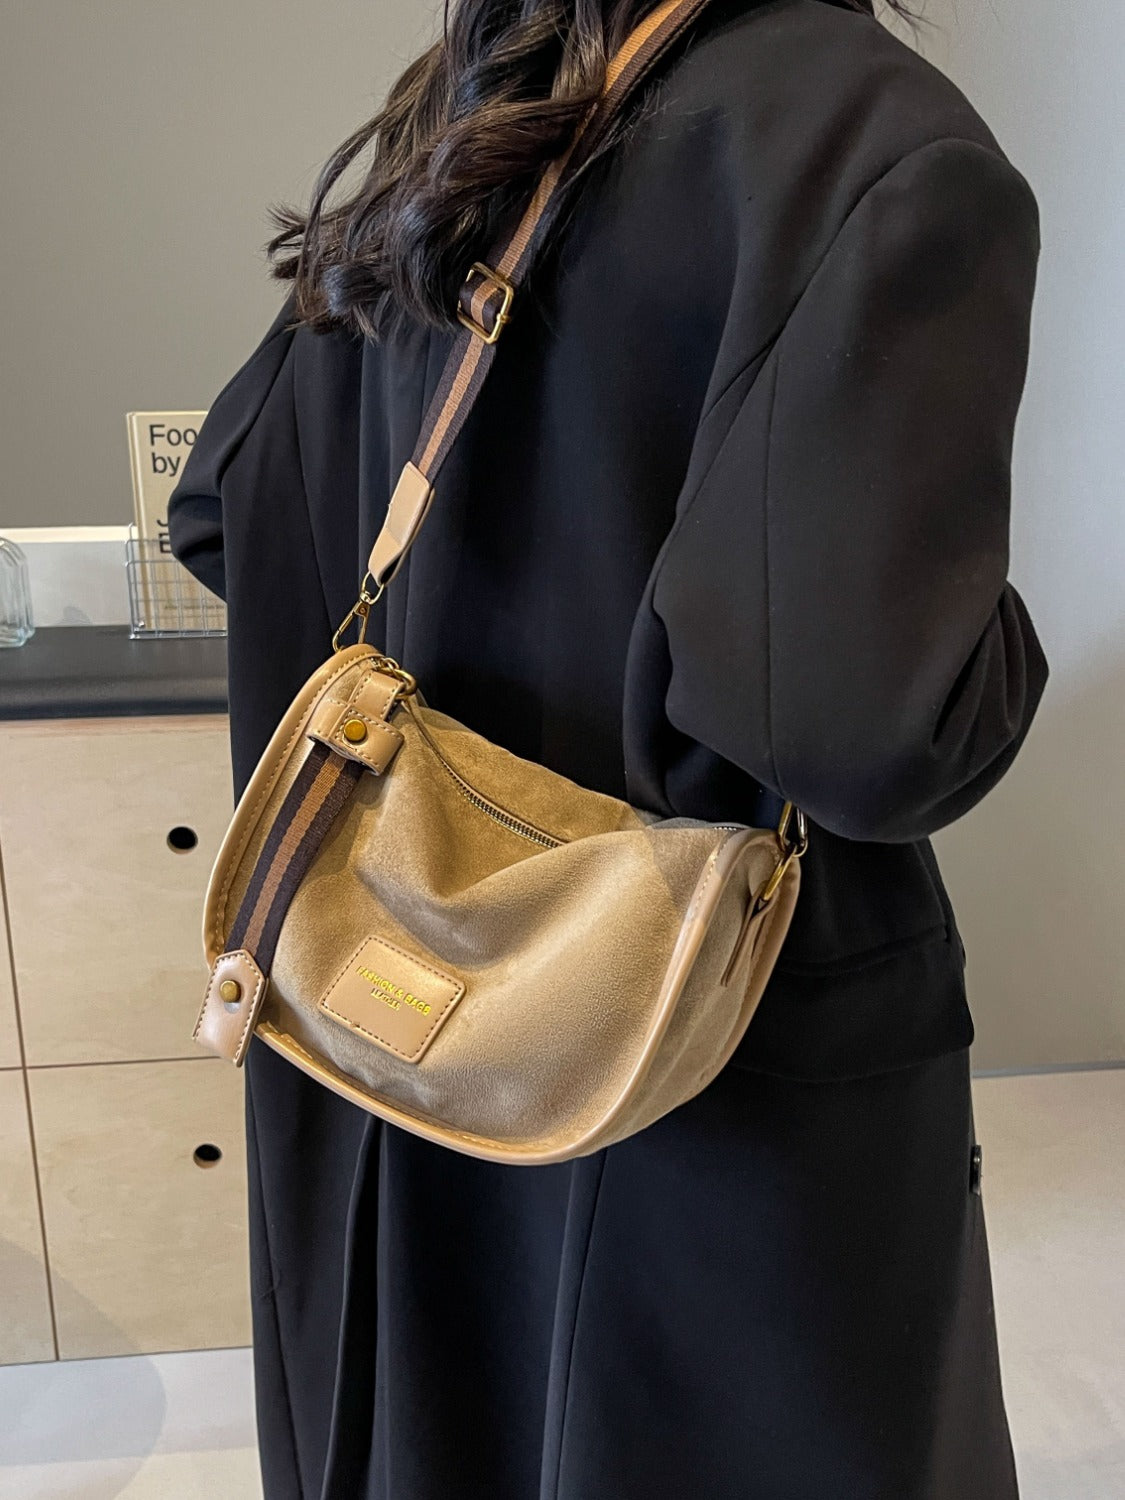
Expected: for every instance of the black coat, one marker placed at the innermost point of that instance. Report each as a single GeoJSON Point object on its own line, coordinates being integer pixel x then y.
{"type": "Point", "coordinates": [729, 524]}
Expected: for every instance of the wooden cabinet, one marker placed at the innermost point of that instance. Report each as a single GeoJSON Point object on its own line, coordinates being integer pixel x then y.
{"type": "Point", "coordinates": [143, 1180]}
{"type": "Point", "coordinates": [25, 1311]}
{"type": "Point", "coordinates": [108, 829]}
{"type": "Point", "coordinates": [135, 1230]}
{"type": "Point", "coordinates": [9, 1036]}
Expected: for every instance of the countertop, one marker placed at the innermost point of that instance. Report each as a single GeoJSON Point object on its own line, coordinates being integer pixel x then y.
{"type": "Point", "coordinates": [98, 671]}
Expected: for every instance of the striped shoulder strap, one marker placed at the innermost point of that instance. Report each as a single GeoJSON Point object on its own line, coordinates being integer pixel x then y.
{"type": "Point", "coordinates": [490, 290]}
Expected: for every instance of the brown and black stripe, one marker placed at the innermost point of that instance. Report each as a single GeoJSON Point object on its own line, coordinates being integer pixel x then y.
{"type": "Point", "coordinates": [481, 299]}
{"type": "Point", "coordinates": [314, 801]}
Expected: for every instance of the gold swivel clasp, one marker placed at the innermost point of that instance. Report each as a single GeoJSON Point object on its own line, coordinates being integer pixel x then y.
{"type": "Point", "coordinates": [792, 844]}
{"type": "Point", "coordinates": [360, 611]}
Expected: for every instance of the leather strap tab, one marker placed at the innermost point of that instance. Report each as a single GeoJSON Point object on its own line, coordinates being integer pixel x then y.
{"type": "Point", "coordinates": [230, 1007]}
{"type": "Point", "coordinates": [409, 505]}
{"type": "Point", "coordinates": [358, 729]}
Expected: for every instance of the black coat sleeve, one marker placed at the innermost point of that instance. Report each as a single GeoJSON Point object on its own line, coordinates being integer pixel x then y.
{"type": "Point", "coordinates": [195, 509]}
{"type": "Point", "coordinates": [835, 594]}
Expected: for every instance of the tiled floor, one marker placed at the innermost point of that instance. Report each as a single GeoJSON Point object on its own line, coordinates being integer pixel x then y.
{"type": "Point", "coordinates": [1055, 1199]}
{"type": "Point", "coordinates": [171, 1427]}
{"type": "Point", "coordinates": [180, 1427]}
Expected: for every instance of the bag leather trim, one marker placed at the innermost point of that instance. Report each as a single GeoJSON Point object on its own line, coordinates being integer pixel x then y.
{"type": "Point", "coordinates": [252, 803]}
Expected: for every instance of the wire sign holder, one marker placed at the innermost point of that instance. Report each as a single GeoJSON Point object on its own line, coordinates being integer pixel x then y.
{"type": "Point", "coordinates": [164, 599]}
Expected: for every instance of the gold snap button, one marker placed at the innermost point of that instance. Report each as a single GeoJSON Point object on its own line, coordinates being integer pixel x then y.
{"type": "Point", "coordinates": [355, 731]}
{"type": "Point", "coordinates": [230, 991]}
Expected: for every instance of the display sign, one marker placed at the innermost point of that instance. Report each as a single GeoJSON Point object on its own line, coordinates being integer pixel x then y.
{"type": "Point", "coordinates": [159, 443]}
{"type": "Point", "coordinates": [164, 599]}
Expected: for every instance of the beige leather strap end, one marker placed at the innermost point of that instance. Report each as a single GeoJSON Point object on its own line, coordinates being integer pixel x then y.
{"type": "Point", "coordinates": [359, 730]}
{"type": "Point", "coordinates": [356, 736]}
{"type": "Point", "coordinates": [408, 509]}
{"type": "Point", "coordinates": [231, 1006]}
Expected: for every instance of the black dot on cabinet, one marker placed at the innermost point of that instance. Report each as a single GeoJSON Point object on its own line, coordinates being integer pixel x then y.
{"type": "Point", "coordinates": [207, 1156]}
{"type": "Point", "coordinates": [182, 839]}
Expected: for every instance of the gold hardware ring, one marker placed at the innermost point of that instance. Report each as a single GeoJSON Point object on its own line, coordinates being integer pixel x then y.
{"type": "Point", "coordinates": [792, 849]}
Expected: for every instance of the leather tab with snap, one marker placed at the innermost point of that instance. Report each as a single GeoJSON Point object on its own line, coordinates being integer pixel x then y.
{"type": "Point", "coordinates": [358, 729]}
{"type": "Point", "coordinates": [231, 1006]}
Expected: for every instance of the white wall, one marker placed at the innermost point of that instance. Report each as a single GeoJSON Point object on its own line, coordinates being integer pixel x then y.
{"type": "Point", "coordinates": [143, 142]}
{"type": "Point", "coordinates": [1038, 872]}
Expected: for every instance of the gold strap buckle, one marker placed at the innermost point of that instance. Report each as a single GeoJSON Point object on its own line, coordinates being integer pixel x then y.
{"type": "Point", "coordinates": [498, 283]}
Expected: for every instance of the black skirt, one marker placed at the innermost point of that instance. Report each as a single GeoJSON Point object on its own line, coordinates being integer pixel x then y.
{"type": "Point", "coordinates": [779, 1292]}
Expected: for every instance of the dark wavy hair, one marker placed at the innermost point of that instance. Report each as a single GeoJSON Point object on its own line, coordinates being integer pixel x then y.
{"type": "Point", "coordinates": [463, 136]}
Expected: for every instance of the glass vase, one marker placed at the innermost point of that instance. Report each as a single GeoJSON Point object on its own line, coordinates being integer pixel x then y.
{"type": "Point", "coordinates": [16, 625]}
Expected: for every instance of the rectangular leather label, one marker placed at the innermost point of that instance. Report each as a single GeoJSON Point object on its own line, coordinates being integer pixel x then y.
{"type": "Point", "coordinates": [392, 998]}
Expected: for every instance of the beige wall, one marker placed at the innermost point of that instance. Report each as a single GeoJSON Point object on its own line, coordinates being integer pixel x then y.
{"type": "Point", "coordinates": [1038, 872]}
{"type": "Point", "coordinates": [143, 141]}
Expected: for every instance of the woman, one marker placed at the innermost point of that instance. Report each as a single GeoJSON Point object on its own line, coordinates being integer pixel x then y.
{"type": "Point", "coordinates": [729, 524]}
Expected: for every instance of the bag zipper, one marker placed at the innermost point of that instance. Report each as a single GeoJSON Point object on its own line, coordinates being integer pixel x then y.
{"type": "Point", "coordinates": [478, 800]}
{"type": "Point", "coordinates": [500, 814]}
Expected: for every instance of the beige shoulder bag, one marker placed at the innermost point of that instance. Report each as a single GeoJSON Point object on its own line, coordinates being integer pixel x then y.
{"type": "Point", "coordinates": [459, 941]}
